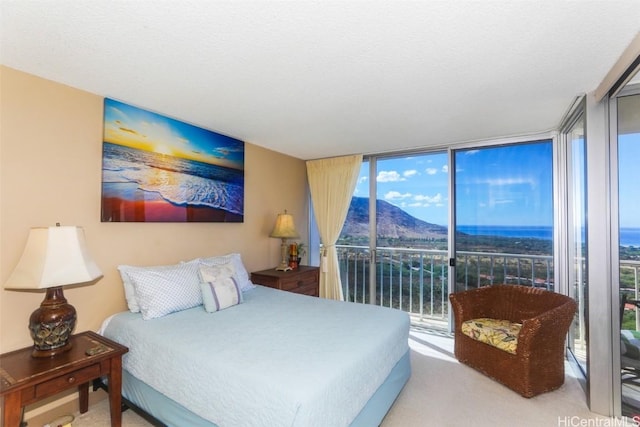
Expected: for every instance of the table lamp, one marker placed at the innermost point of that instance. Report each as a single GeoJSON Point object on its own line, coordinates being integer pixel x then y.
{"type": "Point", "coordinates": [53, 257]}
{"type": "Point", "coordinates": [284, 229]}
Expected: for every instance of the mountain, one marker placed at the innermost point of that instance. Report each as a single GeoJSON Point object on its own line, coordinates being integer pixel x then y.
{"type": "Point", "coordinates": [393, 222]}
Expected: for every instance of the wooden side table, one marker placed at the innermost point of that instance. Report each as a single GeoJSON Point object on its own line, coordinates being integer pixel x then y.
{"type": "Point", "coordinates": [25, 379]}
{"type": "Point", "coordinates": [303, 280]}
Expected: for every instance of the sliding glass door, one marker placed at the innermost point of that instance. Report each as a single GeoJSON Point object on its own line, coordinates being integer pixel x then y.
{"type": "Point", "coordinates": [576, 248]}
{"type": "Point", "coordinates": [411, 233]}
{"type": "Point", "coordinates": [628, 149]}
{"type": "Point", "coordinates": [398, 252]}
{"type": "Point", "coordinates": [399, 260]}
{"type": "Point", "coordinates": [504, 215]}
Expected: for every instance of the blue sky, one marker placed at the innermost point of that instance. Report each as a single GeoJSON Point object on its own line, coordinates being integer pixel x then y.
{"type": "Point", "coordinates": [509, 185]}
{"type": "Point", "coordinates": [629, 177]}
{"type": "Point", "coordinates": [417, 184]}
{"type": "Point", "coordinates": [497, 186]}
{"type": "Point", "coordinates": [137, 128]}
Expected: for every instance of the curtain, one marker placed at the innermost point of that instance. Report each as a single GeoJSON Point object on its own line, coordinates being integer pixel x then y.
{"type": "Point", "coordinates": [331, 182]}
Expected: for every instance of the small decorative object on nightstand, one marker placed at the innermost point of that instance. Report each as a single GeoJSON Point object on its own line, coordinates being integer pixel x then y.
{"type": "Point", "coordinates": [302, 250]}
{"type": "Point", "coordinates": [293, 256]}
{"type": "Point", "coordinates": [25, 379]}
{"type": "Point", "coordinates": [303, 280]}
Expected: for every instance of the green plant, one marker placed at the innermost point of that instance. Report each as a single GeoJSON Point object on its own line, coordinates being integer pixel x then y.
{"type": "Point", "coordinates": [302, 250]}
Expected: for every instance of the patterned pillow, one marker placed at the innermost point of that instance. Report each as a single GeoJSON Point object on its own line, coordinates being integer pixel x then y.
{"type": "Point", "coordinates": [220, 289]}
{"type": "Point", "coordinates": [501, 334]}
{"type": "Point", "coordinates": [129, 291]}
{"type": "Point", "coordinates": [241, 275]}
{"type": "Point", "coordinates": [160, 291]}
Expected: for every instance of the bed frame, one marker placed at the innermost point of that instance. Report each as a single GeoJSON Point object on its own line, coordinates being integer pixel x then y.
{"type": "Point", "coordinates": [146, 401]}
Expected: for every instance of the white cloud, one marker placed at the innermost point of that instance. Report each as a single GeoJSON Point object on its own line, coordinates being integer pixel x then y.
{"type": "Point", "coordinates": [507, 181]}
{"type": "Point", "coordinates": [431, 171]}
{"type": "Point", "coordinates": [409, 173]}
{"type": "Point", "coordinates": [445, 169]}
{"type": "Point", "coordinates": [389, 176]}
{"type": "Point", "coordinates": [429, 199]}
{"type": "Point", "coordinates": [395, 195]}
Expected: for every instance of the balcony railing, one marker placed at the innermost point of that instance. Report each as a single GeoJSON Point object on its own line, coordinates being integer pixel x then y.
{"type": "Point", "coordinates": [629, 279]}
{"type": "Point", "coordinates": [416, 280]}
{"type": "Point", "coordinates": [413, 280]}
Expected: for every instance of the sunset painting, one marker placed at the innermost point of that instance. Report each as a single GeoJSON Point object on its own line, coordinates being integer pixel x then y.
{"type": "Point", "coordinates": [157, 169]}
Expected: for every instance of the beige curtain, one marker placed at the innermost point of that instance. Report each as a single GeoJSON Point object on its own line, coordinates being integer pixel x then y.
{"type": "Point", "coordinates": [332, 182]}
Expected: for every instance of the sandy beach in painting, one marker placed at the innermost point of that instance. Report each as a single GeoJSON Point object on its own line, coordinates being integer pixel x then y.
{"type": "Point", "coordinates": [149, 187]}
{"type": "Point", "coordinates": [117, 209]}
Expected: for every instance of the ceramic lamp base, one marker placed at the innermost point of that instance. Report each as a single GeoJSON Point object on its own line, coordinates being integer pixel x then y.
{"type": "Point", "coordinates": [284, 265]}
{"type": "Point", "coordinates": [51, 325]}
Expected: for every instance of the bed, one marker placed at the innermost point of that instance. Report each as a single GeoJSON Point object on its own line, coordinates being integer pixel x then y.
{"type": "Point", "coordinates": [272, 359]}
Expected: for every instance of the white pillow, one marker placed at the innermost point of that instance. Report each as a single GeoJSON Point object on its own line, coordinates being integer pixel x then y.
{"type": "Point", "coordinates": [129, 291]}
{"type": "Point", "coordinates": [241, 275]}
{"type": "Point", "coordinates": [220, 289]}
{"type": "Point", "coordinates": [210, 273]}
{"type": "Point", "coordinates": [165, 289]}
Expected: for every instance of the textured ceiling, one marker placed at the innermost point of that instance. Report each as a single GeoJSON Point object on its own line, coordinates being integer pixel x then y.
{"type": "Point", "coordinates": [319, 78]}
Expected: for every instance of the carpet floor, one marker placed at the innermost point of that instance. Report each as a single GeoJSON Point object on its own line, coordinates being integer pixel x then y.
{"type": "Point", "coordinates": [442, 392]}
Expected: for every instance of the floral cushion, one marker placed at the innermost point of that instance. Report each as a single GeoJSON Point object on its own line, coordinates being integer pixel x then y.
{"type": "Point", "coordinates": [498, 333]}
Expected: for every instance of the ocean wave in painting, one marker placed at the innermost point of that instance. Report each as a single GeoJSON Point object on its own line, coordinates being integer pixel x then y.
{"type": "Point", "coordinates": [182, 182]}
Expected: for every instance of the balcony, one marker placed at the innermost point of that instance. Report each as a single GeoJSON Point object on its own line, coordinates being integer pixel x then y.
{"type": "Point", "coordinates": [416, 280]}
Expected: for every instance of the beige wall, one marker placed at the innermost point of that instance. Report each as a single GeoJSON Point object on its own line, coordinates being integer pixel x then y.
{"type": "Point", "coordinates": [50, 171]}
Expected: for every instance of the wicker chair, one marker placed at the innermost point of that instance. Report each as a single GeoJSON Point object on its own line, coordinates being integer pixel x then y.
{"type": "Point", "coordinates": [538, 364]}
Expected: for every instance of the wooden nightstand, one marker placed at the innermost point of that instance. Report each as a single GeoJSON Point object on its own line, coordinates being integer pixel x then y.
{"type": "Point", "coordinates": [25, 379]}
{"type": "Point", "coordinates": [302, 280]}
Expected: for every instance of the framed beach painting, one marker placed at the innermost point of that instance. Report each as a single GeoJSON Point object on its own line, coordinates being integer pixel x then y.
{"type": "Point", "coordinates": [157, 169]}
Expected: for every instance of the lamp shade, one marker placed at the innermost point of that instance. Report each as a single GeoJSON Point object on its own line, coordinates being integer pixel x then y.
{"type": "Point", "coordinates": [53, 256]}
{"type": "Point", "coordinates": [284, 228]}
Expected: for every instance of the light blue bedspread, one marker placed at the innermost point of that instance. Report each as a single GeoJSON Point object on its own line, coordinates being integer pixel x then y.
{"type": "Point", "coordinates": [278, 359]}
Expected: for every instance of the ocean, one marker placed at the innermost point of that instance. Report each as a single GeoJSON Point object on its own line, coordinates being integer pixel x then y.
{"type": "Point", "coordinates": [179, 181]}
{"type": "Point", "coordinates": [541, 232]}
{"type": "Point", "coordinates": [628, 236]}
